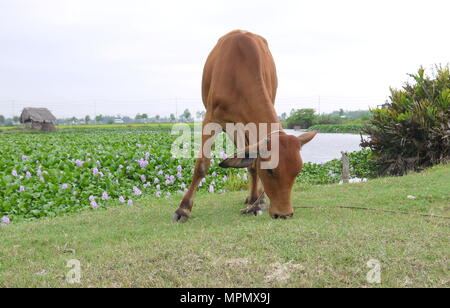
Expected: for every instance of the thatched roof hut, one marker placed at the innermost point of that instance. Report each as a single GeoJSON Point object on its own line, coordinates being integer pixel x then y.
{"type": "Point", "coordinates": [40, 118]}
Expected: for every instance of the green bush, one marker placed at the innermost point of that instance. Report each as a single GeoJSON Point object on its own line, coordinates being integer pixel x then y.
{"type": "Point", "coordinates": [302, 118]}
{"type": "Point", "coordinates": [412, 131]}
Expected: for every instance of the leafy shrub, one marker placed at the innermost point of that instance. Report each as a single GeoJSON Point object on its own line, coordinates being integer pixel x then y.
{"type": "Point", "coordinates": [413, 131]}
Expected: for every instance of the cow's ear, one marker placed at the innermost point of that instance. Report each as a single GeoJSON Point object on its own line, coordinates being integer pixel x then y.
{"type": "Point", "coordinates": [237, 162]}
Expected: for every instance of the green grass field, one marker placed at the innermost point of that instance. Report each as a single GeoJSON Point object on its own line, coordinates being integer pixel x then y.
{"type": "Point", "coordinates": [329, 247]}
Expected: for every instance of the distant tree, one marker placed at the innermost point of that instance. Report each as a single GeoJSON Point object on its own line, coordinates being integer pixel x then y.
{"type": "Point", "coordinates": [200, 115]}
{"type": "Point", "coordinates": [186, 116]}
{"type": "Point", "coordinates": [144, 116]}
{"type": "Point", "coordinates": [138, 117]}
{"type": "Point", "coordinates": [99, 118]}
{"type": "Point", "coordinates": [16, 119]}
{"type": "Point", "coordinates": [87, 119]}
{"type": "Point", "coordinates": [172, 118]}
{"type": "Point", "coordinates": [304, 118]}
{"type": "Point", "coordinates": [157, 118]}
{"type": "Point", "coordinates": [2, 120]}
{"type": "Point", "coordinates": [283, 116]}
{"type": "Point", "coordinates": [341, 112]}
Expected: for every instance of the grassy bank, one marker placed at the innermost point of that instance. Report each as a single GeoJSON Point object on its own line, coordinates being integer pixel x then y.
{"type": "Point", "coordinates": [338, 128]}
{"type": "Point", "coordinates": [140, 246]}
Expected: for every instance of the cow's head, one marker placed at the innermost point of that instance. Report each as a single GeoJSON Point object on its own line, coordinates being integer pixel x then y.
{"type": "Point", "coordinates": [279, 180]}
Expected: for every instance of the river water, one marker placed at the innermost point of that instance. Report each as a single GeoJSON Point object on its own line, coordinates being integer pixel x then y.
{"type": "Point", "coordinates": [325, 147]}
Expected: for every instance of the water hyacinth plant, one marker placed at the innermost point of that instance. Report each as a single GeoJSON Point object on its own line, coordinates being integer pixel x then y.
{"type": "Point", "coordinates": [65, 171]}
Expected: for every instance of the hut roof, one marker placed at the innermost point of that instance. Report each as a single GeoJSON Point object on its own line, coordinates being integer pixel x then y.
{"type": "Point", "coordinates": [40, 115]}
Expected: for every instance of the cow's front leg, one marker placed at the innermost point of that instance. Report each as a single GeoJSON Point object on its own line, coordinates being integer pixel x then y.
{"type": "Point", "coordinates": [256, 201]}
{"type": "Point", "coordinates": [201, 169]}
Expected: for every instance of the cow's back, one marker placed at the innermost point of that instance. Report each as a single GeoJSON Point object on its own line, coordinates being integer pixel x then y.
{"type": "Point", "coordinates": [239, 79]}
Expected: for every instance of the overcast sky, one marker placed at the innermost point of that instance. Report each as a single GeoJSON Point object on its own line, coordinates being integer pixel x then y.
{"type": "Point", "coordinates": [123, 57]}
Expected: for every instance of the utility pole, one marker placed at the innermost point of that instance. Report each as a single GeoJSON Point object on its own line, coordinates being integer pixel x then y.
{"type": "Point", "coordinates": [176, 108]}
{"type": "Point", "coordinates": [319, 105]}
{"type": "Point", "coordinates": [95, 111]}
{"type": "Point", "coordinates": [13, 109]}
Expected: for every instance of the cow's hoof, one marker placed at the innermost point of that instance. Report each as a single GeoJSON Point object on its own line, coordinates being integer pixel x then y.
{"type": "Point", "coordinates": [276, 216]}
{"type": "Point", "coordinates": [180, 216]}
{"type": "Point", "coordinates": [255, 210]}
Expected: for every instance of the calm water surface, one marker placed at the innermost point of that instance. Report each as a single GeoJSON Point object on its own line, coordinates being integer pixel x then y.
{"type": "Point", "coordinates": [325, 147]}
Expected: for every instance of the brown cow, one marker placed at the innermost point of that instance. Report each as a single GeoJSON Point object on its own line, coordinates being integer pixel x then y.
{"type": "Point", "coordinates": [239, 86]}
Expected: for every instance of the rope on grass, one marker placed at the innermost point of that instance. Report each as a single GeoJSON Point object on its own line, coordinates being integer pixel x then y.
{"type": "Point", "coordinates": [371, 209]}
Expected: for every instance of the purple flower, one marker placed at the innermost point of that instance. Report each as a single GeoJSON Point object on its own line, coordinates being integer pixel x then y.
{"type": "Point", "coordinates": [179, 168]}
{"type": "Point", "coordinates": [42, 179]}
{"type": "Point", "coordinates": [160, 172]}
{"type": "Point", "coordinates": [239, 176]}
{"type": "Point", "coordinates": [183, 186]}
{"type": "Point", "coordinates": [91, 198]}
{"type": "Point", "coordinates": [120, 167]}
{"type": "Point", "coordinates": [156, 181]}
{"type": "Point", "coordinates": [121, 199]}
{"type": "Point", "coordinates": [211, 188]}
{"type": "Point", "coordinates": [14, 173]}
{"type": "Point", "coordinates": [95, 171]}
{"type": "Point", "coordinates": [24, 157]}
{"type": "Point", "coordinates": [64, 186]}
{"type": "Point", "coordinates": [224, 155]}
{"type": "Point", "coordinates": [214, 174]}
{"type": "Point", "coordinates": [172, 178]}
{"type": "Point", "coordinates": [158, 194]}
{"type": "Point", "coordinates": [167, 182]}
{"type": "Point", "coordinates": [5, 220]}
{"type": "Point", "coordinates": [105, 196]}
{"type": "Point", "coordinates": [146, 185]}
{"type": "Point", "coordinates": [138, 145]}
{"type": "Point", "coordinates": [130, 202]}
{"type": "Point", "coordinates": [158, 187]}
{"type": "Point", "coordinates": [147, 155]}
{"type": "Point", "coordinates": [28, 175]}
{"type": "Point", "coordinates": [168, 194]}
{"type": "Point", "coordinates": [225, 178]}
{"type": "Point", "coordinates": [143, 178]}
{"type": "Point", "coordinates": [137, 191]}
{"type": "Point", "coordinates": [245, 176]}
{"type": "Point", "coordinates": [94, 205]}
{"type": "Point", "coordinates": [21, 188]}
{"type": "Point", "coordinates": [79, 163]}
{"type": "Point", "coordinates": [143, 163]}
{"type": "Point", "coordinates": [179, 175]}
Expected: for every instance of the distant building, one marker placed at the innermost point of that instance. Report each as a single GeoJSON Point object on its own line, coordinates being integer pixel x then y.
{"type": "Point", "coordinates": [39, 118]}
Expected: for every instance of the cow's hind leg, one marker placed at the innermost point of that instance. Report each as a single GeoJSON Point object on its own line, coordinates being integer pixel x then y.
{"type": "Point", "coordinates": [256, 201]}
{"type": "Point", "coordinates": [201, 169]}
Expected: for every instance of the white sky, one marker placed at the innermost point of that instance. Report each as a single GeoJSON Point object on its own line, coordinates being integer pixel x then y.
{"type": "Point", "coordinates": [124, 57]}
